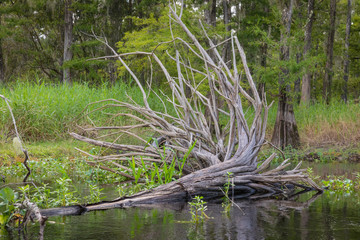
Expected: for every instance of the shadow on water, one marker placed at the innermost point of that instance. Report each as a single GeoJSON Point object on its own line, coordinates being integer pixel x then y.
{"type": "Point", "coordinates": [330, 216]}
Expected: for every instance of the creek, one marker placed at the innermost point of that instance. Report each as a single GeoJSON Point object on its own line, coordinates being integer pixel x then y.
{"type": "Point", "coordinates": [331, 215]}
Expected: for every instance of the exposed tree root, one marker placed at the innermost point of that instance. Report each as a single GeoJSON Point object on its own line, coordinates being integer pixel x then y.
{"type": "Point", "coordinates": [221, 143]}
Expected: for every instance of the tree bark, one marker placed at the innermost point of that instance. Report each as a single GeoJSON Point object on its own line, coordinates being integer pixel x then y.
{"type": "Point", "coordinates": [208, 182]}
{"type": "Point", "coordinates": [347, 61]}
{"type": "Point", "coordinates": [306, 79]}
{"type": "Point", "coordinates": [210, 12]}
{"type": "Point", "coordinates": [329, 54]}
{"type": "Point", "coordinates": [285, 130]}
{"type": "Point", "coordinates": [263, 53]}
{"type": "Point", "coordinates": [297, 81]}
{"type": "Point", "coordinates": [226, 51]}
{"type": "Point", "coordinates": [2, 63]}
{"type": "Point", "coordinates": [68, 39]}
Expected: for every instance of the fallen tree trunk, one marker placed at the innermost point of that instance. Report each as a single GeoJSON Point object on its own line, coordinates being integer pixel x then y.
{"type": "Point", "coordinates": [219, 150]}
{"type": "Point", "coordinates": [209, 183]}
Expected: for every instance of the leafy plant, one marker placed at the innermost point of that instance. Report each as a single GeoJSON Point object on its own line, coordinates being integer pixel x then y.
{"type": "Point", "coordinates": [42, 196]}
{"type": "Point", "coordinates": [339, 184]}
{"type": "Point", "coordinates": [8, 209]}
{"type": "Point", "coordinates": [226, 204]}
{"type": "Point", "coordinates": [197, 209]}
{"type": "Point", "coordinates": [311, 174]}
{"type": "Point", "coordinates": [63, 194]}
{"type": "Point", "coordinates": [135, 170]}
{"type": "Point", "coordinates": [95, 194]}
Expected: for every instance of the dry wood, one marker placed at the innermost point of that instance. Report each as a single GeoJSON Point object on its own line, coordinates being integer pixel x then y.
{"type": "Point", "coordinates": [33, 214]}
{"type": "Point", "coordinates": [230, 149]}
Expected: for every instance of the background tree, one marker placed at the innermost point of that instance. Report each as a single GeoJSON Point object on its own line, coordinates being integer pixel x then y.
{"type": "Point", "coordinates": [285, 130]}
{"type": "Point", "coordinates": [329, 54]}
{"type": "Point", "coordinates": [2, 63]}
{"type": "Point", "coordinates": [32, 37]}
{"type": "Point", "coordinates": [68, 39]}
{"type": "Point", "coordinates": [346, 61]}
{"type": "Point", "coordinates": [306, 79]}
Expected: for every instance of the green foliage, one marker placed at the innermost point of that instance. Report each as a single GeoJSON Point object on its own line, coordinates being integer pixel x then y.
{"type": "Point", "coordinates": [226, 204]}
{"type": "Point", "coordinates": [63, 173]}
{"type": "Point", "coordinates": [311, 174]}
{"type": "Point", "coordinates": [38, 120]}
{"type": "Point", "coordinates": [32, 35]}
{"type": "Point", "coordinates": [32, 40]}
{"type": "Point", "coordinates": [340, 184]}
{"type": "Point", "coordinates": [8, 197]}
{"type": "Point", "coordinates": [9, 211]}
{"type": "Point", "coordinates": [155, 174]}
{"type": "Point", "coordinates": [64, 194]}
{"type": "Point", "coordinates": [148, 36]}
{"type": "Point", "coordinates": [197, 209]}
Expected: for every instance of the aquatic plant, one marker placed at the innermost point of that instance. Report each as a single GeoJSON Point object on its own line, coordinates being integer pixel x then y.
{"type": "Point", "coordinates": [226, 204]}
{"type": "Point", "coordinates": [155, 174]}
{"type": "Point", "coordinates": [312, 175]}
{"type": "Point", "coordinates": [339, 183]}
{"type": "Point", "coordinates": [197, 209]}
{"type": "Point", "coordinates": [95, 194]}
{"type": "Point", "coordinates": [51, 169]}
{"type": "Point", "coordinates": [64, 195]}
{"type": "Point", "coordinates": [8, 209]}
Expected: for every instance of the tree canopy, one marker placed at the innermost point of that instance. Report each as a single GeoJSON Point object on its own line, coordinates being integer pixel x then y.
{"type": "Point", "coordinates": [37, 42]}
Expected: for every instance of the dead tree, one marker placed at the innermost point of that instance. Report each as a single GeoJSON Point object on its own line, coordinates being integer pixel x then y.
{"type": "Point", "coordinates": [230, 149]}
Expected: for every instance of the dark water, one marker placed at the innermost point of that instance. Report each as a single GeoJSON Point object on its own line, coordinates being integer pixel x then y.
{"type": "Point", "coordinates": [328, 216]}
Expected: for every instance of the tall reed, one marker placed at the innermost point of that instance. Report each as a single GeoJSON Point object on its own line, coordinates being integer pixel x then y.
{"type": "Point", "coordinates": [45, 112]}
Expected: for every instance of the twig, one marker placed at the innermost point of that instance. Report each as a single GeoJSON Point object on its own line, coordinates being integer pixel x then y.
{"type": "Point", "coordinates": [18, 136]}
{"type": "Point", "coordinates": [281, 152]}
{"type": "Point", "coordinates": [232, 202]}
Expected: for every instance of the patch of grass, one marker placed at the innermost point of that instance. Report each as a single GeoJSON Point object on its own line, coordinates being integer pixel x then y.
{"type": "Point", "coordinates": [40, 150]}
{"type": "Point", "coordinates": [322, 125]}
{"type": "Point", "coordinates": [45, 112]}
{"type": "Point", "coordinates": [313, 154]}
{"type": "Point", "coordinates": [336, 124]}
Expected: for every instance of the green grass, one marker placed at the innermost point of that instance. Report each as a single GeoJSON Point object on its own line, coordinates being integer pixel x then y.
{"type": "Point", "coordinates": [38, 150]}
{"type": "Point", "coordinates": [45, 113]}
{"type": "Point", "coordinates": [323, 125]}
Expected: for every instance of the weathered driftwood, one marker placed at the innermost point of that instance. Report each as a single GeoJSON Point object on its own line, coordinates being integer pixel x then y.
{"type": "Point", "coordinates": [218, 149]}
{"type": "Point", "coordinates": [249, 183]}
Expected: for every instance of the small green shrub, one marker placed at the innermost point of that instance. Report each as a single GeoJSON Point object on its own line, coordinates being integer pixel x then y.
{"type": "Point", "coordinates": [197, 209]}
{"type": "Point", "coordinates": [226, 204]}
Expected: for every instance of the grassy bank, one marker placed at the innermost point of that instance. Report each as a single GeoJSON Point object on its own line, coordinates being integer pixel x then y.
{"type": "Point", "coordinates": [45, 113]}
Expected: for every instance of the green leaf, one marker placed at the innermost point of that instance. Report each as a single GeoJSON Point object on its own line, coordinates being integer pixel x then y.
{"type": "Point", "coordinates": [7, 195]}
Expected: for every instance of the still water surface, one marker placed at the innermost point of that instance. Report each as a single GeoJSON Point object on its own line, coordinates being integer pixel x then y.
{"type": "Point", "coordinates": [326, 216]}
{"type": "Point", "coordinates": [329, 216]}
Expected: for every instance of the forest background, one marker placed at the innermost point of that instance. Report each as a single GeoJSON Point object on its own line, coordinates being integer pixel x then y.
{"type": "Point", "coordinates": [302, 53]}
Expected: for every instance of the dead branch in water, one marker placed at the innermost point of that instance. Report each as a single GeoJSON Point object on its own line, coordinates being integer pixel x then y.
{"type": "Point", "coordinates": [223, 142]}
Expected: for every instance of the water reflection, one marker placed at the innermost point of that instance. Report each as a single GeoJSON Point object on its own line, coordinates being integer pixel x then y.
{"type": "Point", "coordinates": [330, 216]}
